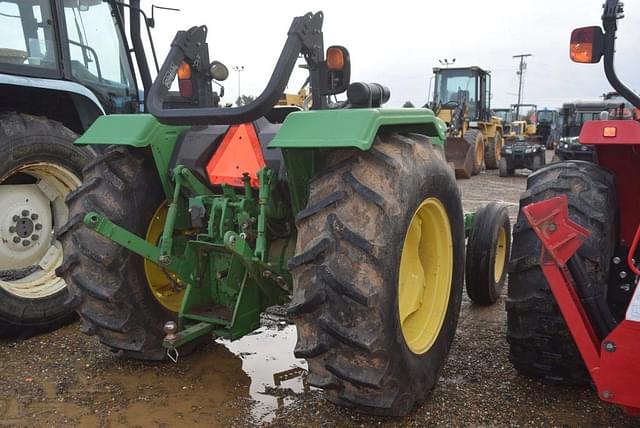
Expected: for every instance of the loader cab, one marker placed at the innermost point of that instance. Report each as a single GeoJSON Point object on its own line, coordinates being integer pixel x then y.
{"type": "Point", "coordinates": [466, 86]}
{"type": "Point", "coordinates": [79, 41]}
{"type": "Point", "coordinates": [506, 117]}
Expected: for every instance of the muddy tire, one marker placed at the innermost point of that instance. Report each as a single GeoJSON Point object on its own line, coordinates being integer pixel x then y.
{"type": "Point", "coordinates": [476, 140]}
{"type": "Point", "coordinates": [540, 343]}
{"type": "Point", "coordinates": [538, 162]}
{"type": "Point", "coordinates": [347, 273]}
{"type": "Point", "coordinates": [108, 282]}
{"type": "Point", "coordinates": [503, 170]}
{"type": "Point", "coordinates": [492, 151]}
{"type": "Point", "coordinates": [39, 166]}
{"type": "Point", "coordinates": [488, 254]}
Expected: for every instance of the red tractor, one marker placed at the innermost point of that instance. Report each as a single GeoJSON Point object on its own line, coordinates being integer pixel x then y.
{"type": "Point", "coordinates": [573, 304]}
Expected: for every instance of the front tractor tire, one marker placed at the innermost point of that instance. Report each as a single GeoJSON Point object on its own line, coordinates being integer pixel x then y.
{"type": "Point", "coordinates": [39, 166]}
{"type": "Point", "coordinates": [476, 140]}
{"type": "Point", "coordinates": [492, 152]}
{"type": "Point", "coordinates": [488, 254]}
{"type": "Point", "coordinates": [120, 298]}
{"type": "Point", "coordinates": [540, 343]}
{"type": "Point", "coordinates": [378, 274]}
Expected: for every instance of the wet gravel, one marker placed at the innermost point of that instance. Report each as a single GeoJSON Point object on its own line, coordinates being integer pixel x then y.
{"type": "Point", "coordinates": [67, 379]}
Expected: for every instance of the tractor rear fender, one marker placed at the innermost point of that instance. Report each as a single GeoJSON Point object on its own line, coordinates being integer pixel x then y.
{"type": "Point", "coordinates": [305, 137]}
{"type": "Point", "coordinates": [354, 128]}
{"type": "Point", "coordinates": [137, 130]}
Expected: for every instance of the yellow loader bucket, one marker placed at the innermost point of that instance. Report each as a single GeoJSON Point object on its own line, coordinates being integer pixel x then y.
{"type": "Point", "coordinates": [460, 153]}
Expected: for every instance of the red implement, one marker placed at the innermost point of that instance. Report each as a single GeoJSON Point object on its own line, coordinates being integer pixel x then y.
{"type": "Point", "coordinates": [612, 363]}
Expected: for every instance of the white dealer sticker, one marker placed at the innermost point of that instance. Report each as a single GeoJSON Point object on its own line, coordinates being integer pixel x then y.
{"type": "Point", "coordinates": [633, 310]}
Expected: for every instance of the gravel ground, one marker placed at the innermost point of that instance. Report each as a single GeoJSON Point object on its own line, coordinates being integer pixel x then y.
{"type": "Point", "coordinates": [67, 379]}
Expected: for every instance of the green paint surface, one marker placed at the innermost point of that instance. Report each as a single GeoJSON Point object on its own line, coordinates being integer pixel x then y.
{"type": "Point", "coordinates": [346, 128]}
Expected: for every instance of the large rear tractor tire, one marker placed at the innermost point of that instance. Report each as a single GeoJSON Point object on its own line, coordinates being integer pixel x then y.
{"type": "Point", "coordinates": [492, 152]}
{"type": "Point", "coordinates": [122, 299]}
{"type": "Point", "coordinates": [488, 254]}
{"type": "Point", "coordinates": [39, 166]}
{"type": "Point", "coordinates": [540, 343]}
{"type": "Point", "coordinates": [378, 274]}
{"type": "Point", "coordinates": [476, 139]}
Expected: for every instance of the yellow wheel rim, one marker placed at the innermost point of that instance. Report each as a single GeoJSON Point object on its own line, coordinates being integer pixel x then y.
{"type": "Point", "coordinates": [479, 153]}
{"type": "Point", "coordinates": [498, 147]}
{"type": "Point", "coordinates": [426, 269]}
{"type": "Point", "coordinates": [501, 254]}
{"type": "Point", "coordinates": [162, 283]}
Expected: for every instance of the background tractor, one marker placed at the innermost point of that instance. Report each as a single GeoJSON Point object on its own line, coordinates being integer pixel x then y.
{"type": "Point", "coordinates": [198, 218]}
{"type": "Point", "coordinates": [62, 65]}
{"type": "Point", "coordinates": [506, 116]}
{"type": "Point", "coordinates": [573, 304]}
{"type": "Point", "coordinates": [547, 127]}
{"type": "Point", "coordinates": [462, 99]}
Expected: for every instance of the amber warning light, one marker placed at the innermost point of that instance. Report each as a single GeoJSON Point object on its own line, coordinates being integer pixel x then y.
{"type": "Point", "coordinates": [586, 45]}
{"type": "Point", "coordinates": [609, 131]}
{"type": "Point", "coordinates": [184, 80]}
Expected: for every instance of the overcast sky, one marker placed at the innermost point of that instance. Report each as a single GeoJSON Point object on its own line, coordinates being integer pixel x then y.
{"type": "Point", "coordinates": [399, 44]}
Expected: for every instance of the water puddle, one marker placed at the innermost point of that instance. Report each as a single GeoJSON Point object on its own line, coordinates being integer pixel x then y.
{"type": "Point", "coordinates": [276, 375]}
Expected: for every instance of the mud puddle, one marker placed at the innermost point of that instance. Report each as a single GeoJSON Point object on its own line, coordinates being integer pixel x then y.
{"type": "Point", "coordinates": [276, 375]}
{"type": "Point", "coordinates": [68, 379]}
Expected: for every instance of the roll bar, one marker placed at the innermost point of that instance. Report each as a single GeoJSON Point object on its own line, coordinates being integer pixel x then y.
{"type": "Point", "coordinates": [613, 11]}
{"type": "Point", "coordinates": [304, 36]}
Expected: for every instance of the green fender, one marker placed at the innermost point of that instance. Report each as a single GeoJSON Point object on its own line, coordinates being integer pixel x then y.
{"type": "Point", "coordinates": [137, 130]}
{"type": "Point", "coordinates": [307, 136]}
{"type": "Point", "coordinates": [354, 128]}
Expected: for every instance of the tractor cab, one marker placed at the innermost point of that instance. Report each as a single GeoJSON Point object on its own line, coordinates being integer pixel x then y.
{"type": "Point", "coordinates": [461, 98]}
{"type": "Point", "coordinates": [465, 88]}
{"type": "Point", "coordinates": [527, 113]}
{"type": "Point", "coordinates": [80, 41]}
{"type": "Point", "coordinates": [506, 117]}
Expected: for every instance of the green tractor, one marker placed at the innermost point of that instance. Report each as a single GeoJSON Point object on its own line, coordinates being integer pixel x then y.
{"type": "Point", "coordinates": [196, 219]}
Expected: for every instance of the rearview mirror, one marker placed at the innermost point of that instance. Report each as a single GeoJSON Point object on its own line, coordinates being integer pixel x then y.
{"type": "Point", "coordinates": [586, 45]}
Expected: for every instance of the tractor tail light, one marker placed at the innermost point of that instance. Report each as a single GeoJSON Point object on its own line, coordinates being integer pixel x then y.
{"type": "Point", "coordinates": [610, 131]}
{"type": "Point", "coordinates": [586, 45]}
{"type": "Point", "coordinates": [185, 84]}
{"type": "Point", "coordinates": [335, 58]}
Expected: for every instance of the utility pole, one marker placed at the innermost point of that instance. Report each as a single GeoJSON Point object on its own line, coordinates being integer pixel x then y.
{"type": "Point", "coordinates": [520, 72]}
{"type": "Point", "coordinates": [239, 69]}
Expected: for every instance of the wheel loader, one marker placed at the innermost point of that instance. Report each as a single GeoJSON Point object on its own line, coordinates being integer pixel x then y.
{"type": "Point", "coordinates": [462, 99]}
{"type": "Point", "coordinates": [62, 65]}
{"type": "Point", "coordinates": [197, 218]}
{"type": "Point", "coordinates": [573, 307]}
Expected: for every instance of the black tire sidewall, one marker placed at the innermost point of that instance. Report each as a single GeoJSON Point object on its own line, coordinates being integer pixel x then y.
{"type": "Point", "coordinates": [481, 253]}
{"type": "Point", "coordinates": [425, 368]}
{"type": "Point", "coordinates": [47, 141]}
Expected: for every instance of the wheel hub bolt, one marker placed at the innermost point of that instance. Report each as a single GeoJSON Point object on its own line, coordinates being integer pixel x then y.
{"type": "Point", "coordinates": [616, 260]}
{"type": "Point", "coordinates": [12, 229]}
{"type": "Point", "coordinates": [16, 239]}
{"type": "Point", "coordinates": [26, 242]}
{"type": "Point", "coordinates": [25, 213]}
{"type": "Point", "coordinates": [34, 237]}
{"type": "Point", "coordinates": [623, 274]}
{"type": "Point", "coordinates": [38, 226]}
{"type": "Point", "coordinates": [16, 218]}
{"type": "Point", "coordinates": [609, 346]}
{"type": "Point", "coordinates": [34, 216]}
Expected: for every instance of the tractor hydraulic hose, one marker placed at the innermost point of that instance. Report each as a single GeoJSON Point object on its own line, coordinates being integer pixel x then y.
{"type": "Point", "coordinates": [305, 36]}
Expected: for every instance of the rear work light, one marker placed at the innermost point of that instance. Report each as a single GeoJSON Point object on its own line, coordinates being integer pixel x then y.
{"type": "Point", "coordinates": [609, 131]}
